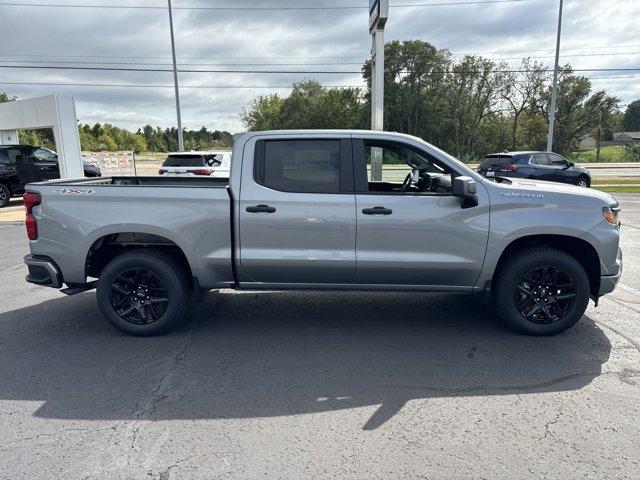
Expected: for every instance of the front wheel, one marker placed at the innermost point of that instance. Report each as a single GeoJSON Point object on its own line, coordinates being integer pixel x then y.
{"type": "Point", "coordinates": [143, 293]}
{"type": "Point", "coordinates": [583, 182]}
{"type": "Point", "coordinates": [541, 291]}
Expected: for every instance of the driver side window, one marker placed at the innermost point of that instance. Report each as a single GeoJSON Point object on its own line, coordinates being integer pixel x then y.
{"type": "Point", "coordinates": [400, 169]}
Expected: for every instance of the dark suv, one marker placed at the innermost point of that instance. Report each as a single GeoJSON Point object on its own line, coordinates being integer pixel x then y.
{"type": "Point", "coordinates": [41, 163]}
{"type": "Point", "coordinates": [535, 165]}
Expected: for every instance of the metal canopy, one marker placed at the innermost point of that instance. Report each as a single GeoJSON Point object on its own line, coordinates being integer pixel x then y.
{"type": "Point", "coordinates": [57, 112]}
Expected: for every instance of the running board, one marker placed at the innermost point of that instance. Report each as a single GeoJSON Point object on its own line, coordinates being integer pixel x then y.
{"type": "Point", "coordinates": [79, 289]}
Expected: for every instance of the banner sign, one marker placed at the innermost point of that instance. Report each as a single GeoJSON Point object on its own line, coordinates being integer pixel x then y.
{"type": "Point", "coordinates": [112, 163]}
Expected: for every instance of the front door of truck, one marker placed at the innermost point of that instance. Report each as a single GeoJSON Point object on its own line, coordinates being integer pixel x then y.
{"type": "Point", "coordinates": [297, 212]}
{"type": "Point", "coordinates": [411, 229]}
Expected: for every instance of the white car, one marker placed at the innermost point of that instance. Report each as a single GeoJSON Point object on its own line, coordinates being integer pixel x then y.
{"type": "Point", "coordinates": [210, 164]}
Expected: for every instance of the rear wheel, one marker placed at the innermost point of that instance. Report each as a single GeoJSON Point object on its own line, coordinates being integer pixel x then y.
{"type": "Point", "coordinates": [5, 195]}
{"type": "Point", "coordinates": [541, 291]}
{"type": "Point", "coordinates": [143, 293]}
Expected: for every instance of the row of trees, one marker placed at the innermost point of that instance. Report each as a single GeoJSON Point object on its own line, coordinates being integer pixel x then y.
{"type": "Point", "coordinates": [469, 107]}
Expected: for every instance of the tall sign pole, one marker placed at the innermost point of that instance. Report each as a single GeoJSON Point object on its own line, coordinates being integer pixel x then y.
{"type": "Point", "coordinates": [378, 16]}
{"type": "Point", "coordinates": [554, 90]}
{"type": "Point", "coordinates": [175, 81]}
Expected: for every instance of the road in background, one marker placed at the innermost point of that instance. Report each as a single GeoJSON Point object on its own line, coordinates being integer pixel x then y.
{"type": "Point", "coordinates": [317, 385]}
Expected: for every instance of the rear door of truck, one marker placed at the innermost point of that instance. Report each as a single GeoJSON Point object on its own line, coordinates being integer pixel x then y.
{"type": "Point", "coordinates": [297, 220]}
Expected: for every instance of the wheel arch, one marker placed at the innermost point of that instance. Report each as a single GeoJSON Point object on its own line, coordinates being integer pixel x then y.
{"type": "Point", "coordinates": [578, 248]}
{"type": "Point", "coordinates": [110, 245]}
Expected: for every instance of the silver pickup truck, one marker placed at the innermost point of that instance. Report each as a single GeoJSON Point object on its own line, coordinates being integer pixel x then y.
{"type": "Point", "coordinates": [329, 210]}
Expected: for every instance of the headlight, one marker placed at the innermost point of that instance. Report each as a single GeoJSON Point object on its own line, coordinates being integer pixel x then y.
{"type": "Point", "coordinates": [611, 214]}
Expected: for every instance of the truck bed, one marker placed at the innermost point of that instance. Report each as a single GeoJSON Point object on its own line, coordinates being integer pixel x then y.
{"type": "Point", "coordinates": [193, 213]}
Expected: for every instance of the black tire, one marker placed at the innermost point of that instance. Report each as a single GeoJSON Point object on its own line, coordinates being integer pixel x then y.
{"type": "Point", "coordinates": [125, 280]}
{"type": "Point", "coordinates": [583, 181]}
{"type": "Point", "coordinates": [5, 195]}
{"type": "Point", "coordinates": [556, 309]}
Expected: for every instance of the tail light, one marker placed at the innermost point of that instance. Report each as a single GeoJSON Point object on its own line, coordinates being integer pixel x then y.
{"type": "Point", "coordinates": [162, 171]}
{"type": "Point", "coordinates": [204, 171]}
{"type": "Point", "coordinates": [511, 168]}
{"type": "Point", "coordinates": [31, 200]}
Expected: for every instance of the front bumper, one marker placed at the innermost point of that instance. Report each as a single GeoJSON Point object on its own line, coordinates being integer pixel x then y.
{"type": "Point", "coordinates": [43, 271]}
{"type": "Point", "coordinates": [608, 282]}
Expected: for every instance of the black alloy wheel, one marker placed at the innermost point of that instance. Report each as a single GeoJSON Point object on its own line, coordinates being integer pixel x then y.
{"type": "Point", "coordinates": [144, 292]}
{"type": "Point", "coordinates": [541, 291]}
{"type": "Point", "coordinates": [545, 294]}
{"type": "Point", "coordinates": [139, 296]}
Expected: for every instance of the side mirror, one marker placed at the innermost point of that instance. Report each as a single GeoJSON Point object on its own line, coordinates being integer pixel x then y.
{"type": "Point", "coordinates": [571, 164]}
{"type": "Point", "coordinates": [465, 188]}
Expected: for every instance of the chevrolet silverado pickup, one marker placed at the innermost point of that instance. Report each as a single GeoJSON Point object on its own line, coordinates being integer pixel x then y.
{"type": "Point", "coordinates": [325, 210]}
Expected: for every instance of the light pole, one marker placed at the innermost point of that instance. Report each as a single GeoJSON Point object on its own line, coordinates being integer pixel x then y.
{"type": "Point", "coordinates": [554, 89]}
{"type": "Point", "coordinates": [175, 81]}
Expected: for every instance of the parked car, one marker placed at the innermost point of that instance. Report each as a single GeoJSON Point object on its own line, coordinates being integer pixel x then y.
{"type": "Point", "coordinates": [536, 166]}
{"type": "Point", "coordinates": [190, 164]}
{"type": "Point", "coordinates": [303, 211]}
{"type": "Point", "coordinates": [42, 160]}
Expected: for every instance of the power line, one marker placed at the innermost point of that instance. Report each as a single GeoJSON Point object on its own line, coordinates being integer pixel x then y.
{"type": "Point", "coordinates": [48, 56]}
{"type": "Point", "coordinates": [134, 85]}
{"type": "Point", "coordinates": [254, 9]}
{"type": "Point", "coordinates": [238, 87]}
{"type": "Point", "coordinates": [343, 72]}
{"type": "Point", "coordinates": [551, 50]}
{"type": "Point", "coordinates": [156, 70]}
{"type": "Point", "coordinates": [183, 64]}
{"type": "Point", "coordinates": [264, 64]}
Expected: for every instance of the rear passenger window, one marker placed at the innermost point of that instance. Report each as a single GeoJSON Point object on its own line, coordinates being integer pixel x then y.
{"type": "Point", "coordinates": [301, 166]}
{"type": "Point", "coordinates": [540, 159]}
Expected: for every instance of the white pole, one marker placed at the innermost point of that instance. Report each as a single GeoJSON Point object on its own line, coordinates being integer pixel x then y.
{"type": "Point", "coordinates": [554, 91]}
{"type": "Point", "coordinates": [175, 80]}
{"type": "Point", "coordinates": [377, 81]}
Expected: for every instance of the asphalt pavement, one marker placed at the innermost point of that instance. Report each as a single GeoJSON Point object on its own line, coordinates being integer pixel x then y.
{"type": "Point", "coordinates": [317, 385]}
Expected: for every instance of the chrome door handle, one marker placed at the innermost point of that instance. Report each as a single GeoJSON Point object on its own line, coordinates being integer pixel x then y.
{"type": "Point", "coordinates": [377, 211]}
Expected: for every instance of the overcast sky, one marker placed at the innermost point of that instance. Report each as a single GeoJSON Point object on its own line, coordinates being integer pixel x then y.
{"type": "Point", "coordinates": [596, 34]}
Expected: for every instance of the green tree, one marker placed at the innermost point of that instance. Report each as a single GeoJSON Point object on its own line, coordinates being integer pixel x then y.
{"type": "Point", "coordinates": [522, 93]}
{"type": "Point", "coordinates": [631, 119]}
{"type": "Point", "coordinates": [578, 109]}
{"type": "Point", "coordinates": [105, 142]}
{"type": "Point", "coordinates": [310, 105]}
{"type": "Point", "coordinates": [416, 89]}
{"type": "Point", "coordinates": [5, 98]}
{"type": "Point", "coordinates": [263, 113]}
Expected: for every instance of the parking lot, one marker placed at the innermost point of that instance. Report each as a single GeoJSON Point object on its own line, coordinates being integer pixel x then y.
{"type": "Point", "coordinates": [317, 385]}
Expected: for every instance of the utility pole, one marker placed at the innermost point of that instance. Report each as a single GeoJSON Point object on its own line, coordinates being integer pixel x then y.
{"type": "Point", "coordinates": [554, 91]}
{"type": "Point", "coordinates": [175, 81]}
